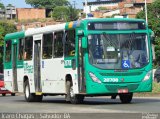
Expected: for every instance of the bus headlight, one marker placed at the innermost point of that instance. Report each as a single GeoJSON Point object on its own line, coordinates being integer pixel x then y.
{"type": "Point", "coordinates": [94, 78]}
{"type": "Point", "coordinates": [148, 75]}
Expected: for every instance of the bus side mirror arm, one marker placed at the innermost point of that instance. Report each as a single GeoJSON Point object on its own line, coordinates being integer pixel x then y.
{"type": "Point", "coordinates": [84, 43]}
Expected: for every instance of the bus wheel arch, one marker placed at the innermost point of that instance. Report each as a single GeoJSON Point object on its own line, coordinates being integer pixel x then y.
{"type": "Point", "coordinates": [70, 96]}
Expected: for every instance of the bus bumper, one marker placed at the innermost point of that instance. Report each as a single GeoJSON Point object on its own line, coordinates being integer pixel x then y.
{"type": "Point", "coordinates": [110, 88]}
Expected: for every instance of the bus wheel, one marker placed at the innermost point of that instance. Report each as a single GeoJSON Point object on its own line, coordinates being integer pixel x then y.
{"type": "Point", "coordinates": [28, 96]}
{"type": "Point", "coordinates": [126, 98]}
{"type": "Point", "coordinates": [39, 98]}
{"type": "Point", "coordinates": [3, 94]}
{"type": "Point", "coordinates": [73, 98]}
{"type": "Point", "coordinates": [12, 94]}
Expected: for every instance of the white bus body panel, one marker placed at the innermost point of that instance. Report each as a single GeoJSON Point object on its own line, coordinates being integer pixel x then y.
{"type": "Point", "coordinates": [29, 72]}
{"type": "Point", "coordinates": [20, 76]}
{"type": "Point", "coordinates": [53, 72]}
{"type": "Point", "coordinates": [8, 79]}
{"type": "Point", "coordinates": [53, 76]}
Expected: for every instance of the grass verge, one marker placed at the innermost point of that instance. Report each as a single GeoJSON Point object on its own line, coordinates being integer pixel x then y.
{"type": "Point", "coordinates": [155, 91]}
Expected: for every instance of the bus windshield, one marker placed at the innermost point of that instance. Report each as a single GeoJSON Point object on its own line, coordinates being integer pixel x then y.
{"type": "Point", "coordinates": [118, 51]}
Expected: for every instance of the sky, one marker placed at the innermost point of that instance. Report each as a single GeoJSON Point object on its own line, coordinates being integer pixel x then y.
{"type": "Point", "coordinates": [17, 3]}
{"type": "Point", "coordinates": [22, 4]}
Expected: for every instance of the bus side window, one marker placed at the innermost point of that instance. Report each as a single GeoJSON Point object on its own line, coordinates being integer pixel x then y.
{"type": "Point", "coordinates": [8, 51]}
{"type": "Point", "coordinates": [70, 43]}
{"type": "Point", "coordinates": [28, 48]}
{"type": "Point", "coordinates": [21, 48]}
{"type": "Point", "coordinates": [58, 44]}
{"type": "Point", "coordinates": [47, 46]}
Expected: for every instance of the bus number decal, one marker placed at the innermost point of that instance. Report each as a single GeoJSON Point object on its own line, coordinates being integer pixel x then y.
{"type": "Point", "coordinates": [110, 80]}
{"type": "Point", "coordinates": [67, 63]}
{"type": "Point", "coordinates": [28, 68]}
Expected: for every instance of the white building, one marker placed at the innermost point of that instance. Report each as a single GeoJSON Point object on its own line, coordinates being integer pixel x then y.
{"type": "Point", "coordinates": [111, 5]}
{"type": "Point", "coordinates": [10, 12]}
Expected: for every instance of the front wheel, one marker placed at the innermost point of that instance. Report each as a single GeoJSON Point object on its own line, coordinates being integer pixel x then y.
{"type": "Point", "coordinates": [3, 94]}
{"type": "Point", "coordinates": [28, 96]}
{"type": "Point", "coordinates": [39, 98]}
{"type": "Point", "coordinates": [126, 98]}
{"type": "Point", "coordinates": [73, 98]}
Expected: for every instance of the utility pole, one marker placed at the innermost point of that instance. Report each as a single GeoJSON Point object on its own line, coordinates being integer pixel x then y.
{"type": "Point", "coordinates": [74, 4]}
{"type": "Point", "coordinates": [146, 12]}
{"type": "Point", "coordinates": [86, 7]}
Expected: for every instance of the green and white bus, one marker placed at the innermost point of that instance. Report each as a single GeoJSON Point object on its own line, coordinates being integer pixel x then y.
{"type": "Point", "coordinates": [90, 57]}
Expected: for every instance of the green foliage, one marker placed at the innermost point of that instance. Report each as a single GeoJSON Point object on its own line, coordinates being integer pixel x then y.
{"type": "Point", "coordinates": [2, 6]}
{"type": "Point", "coordinates": [9, 5]}
{"type": "Point", "coordinates": [60, 13]}
{"type": "Point", "coordinates": [49, 4]}
{"type": "Point", "coordinates": [153, 23]}
{"type": "Point", "coordinates": [5, 28]}
{"type": "Point", "coordinates": [65, 13]}
{"type": "Point", "coordinates": [156, 88]}
{"type": "Point", "coordinates": [1, 35]}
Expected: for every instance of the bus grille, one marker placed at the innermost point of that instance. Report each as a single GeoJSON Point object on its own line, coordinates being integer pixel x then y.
{"type": "Point", "coordinates": [121, 74]}
{"type": "Point", "coordinates": [114, 88]}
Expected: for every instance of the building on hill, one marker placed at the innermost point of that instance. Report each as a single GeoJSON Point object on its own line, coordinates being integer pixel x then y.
{"type": "Point", "coordinates": [107, 8]}
{"type": "Point", "coordinates": [2, 13]}
{"type": "Point", "coordinates": [130, 8]}
{"type": "Point", "coordinates": [30, 13]}
{"type": "Point", "coordinates": [99, 6]}
{"type": "Point", "coordinates": [10, 12]}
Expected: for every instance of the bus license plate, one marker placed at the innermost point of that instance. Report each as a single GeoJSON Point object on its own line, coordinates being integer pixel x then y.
{"type": "Point", "coordinates": [122, 90]}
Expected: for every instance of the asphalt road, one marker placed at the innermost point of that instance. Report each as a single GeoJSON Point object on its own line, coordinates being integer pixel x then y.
{"type": "Point", "coordinates": [93, 107]}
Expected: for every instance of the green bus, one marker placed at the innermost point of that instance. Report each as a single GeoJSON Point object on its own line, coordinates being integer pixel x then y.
{"type": "Point", "coordinates": [90, 57]}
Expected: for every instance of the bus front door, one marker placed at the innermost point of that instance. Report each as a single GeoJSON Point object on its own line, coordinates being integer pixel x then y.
{"type": "Point", "coordinates": [37, 66]}
{"type": "Point", "coordinates": [81, 81]}
{"type": "Point", "coordinates": [14, 67]}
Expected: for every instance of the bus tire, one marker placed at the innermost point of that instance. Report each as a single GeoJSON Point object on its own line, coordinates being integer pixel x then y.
{"type": "Point", "coordinates": [73, 98]}
{"type": "Point", "coordinates": [126, 98]}
{"type": "Point", "coordinates": [39, 98]}
{"type": "Point", "coordinates": [13, 94]}
{"type": "Point", "coordinates": [28, 96]}
{"type": "Point", "coordinates": [3, 94]}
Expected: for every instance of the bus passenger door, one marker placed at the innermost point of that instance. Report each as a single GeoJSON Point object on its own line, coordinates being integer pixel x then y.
{"type": "Point", "coordinates": [37, 65]}
{"type": "Point", "coordinates": [14, 66]}
{"type": "Point", "coordinates": [81, 79]}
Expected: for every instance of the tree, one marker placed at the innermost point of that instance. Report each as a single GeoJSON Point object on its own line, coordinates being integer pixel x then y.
{"type": "Point", "coordinates": [65, 13]}
{"type": "Point", "coordinates": [48, 4]}
{"type": "Point", "coordinates": [60, 13]}
{"type": "Point", "coordinates": [73, 13]}
{"type": "Point", "coordinates": [2, 6]}
{"type": "Point", "coordinates": [153, 23]}
{"type": "Point", "coordinates": [4, 29]}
